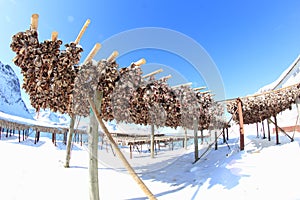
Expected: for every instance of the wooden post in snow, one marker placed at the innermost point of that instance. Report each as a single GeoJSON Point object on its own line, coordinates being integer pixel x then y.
{"type": "Point", "coordinates": [241, 123]}
{"type": "Point", "coordinates": [152, 141]}
{"type": "Point", "coordinates": [195, 125]}
{"type": "Point", "coordinates": [269, 131]}
{"type": "Point", "coordinates": [276, 129]}
{"type": "Point", "coordinates": [185, 139]}
{"type": "Point", "coordinates": [224, 138]}
{"type": "Point", "coordinates": [263, 127]}
{"type": "Point", "coordinates": [120, 154]}
{"type": "Point", "coordinates": [202, 137]}
{"type": "Point", "coordinates": [227, 136]}
{"type": "Point", "coordinates": [93, 149]}
{"type": "Point", "coordinates": [69, 141]}
{"type": "Point", "coordinates": [216, 140]}
{"type": "Point", "coordinates": [257, 132]}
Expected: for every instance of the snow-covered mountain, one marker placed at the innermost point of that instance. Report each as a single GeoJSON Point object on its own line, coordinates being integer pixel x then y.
{"type": "Point", "coordinates": [11, 101]}
{"type": "Point", "coordinates": [50, 117]}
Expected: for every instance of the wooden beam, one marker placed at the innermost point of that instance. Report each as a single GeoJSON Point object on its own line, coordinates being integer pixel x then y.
{"type": "Point", "coordinates": [257, 132]}
{"type": "Point", "coordinates": [205, 92]}
{"type": "Point", "coordinates": [185, 139]}
{"type": "Point", "coordinates": [291, 138]}
{"type": "Point", "coordinates": [34, 22]}
{"type": "Point", "coordinates": [276, 130]}
{"type": "Point", "coordinates": [54, 35]}
{"type": "Point", "coordinates": [113, 56]}
{"type": "Point", "coordinates": [152, 141]}
{"type": "Point", "coordinates": [195, 126]}
{"type": "Point", "coordinates": [182, 85]}
{"type": "Point", "coordinates": [241, 123]}
{"type": "Point", "coordinates": [153, 73]}
{"type": "Point", "coordinates": [92, 53]}
{"type": "Point", "coordinates": [166, 77]}
{"type": "Point", "coordinates": [269, 131]}
{"type": "Point", "coordinates": [140, 62]}
{"type": "Point", "coordinates": [199, 88]}
{"type": "Point", "coordinates": [263, 127]}
{"type": "Point", "coordinates": [86, 24]}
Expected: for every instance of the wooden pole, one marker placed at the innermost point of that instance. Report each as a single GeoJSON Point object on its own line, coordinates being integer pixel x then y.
{"type": "Point", "coordinates": [120, 154]}
{"type": "Point", "coordinates": [216, 141]}
{"type": "Point", "coordinates": [241, 123]}
{"type": "Point", "coordinates": [19, 135]}
{"type": "Point", "coordinates": [263, 127]}
{"type": "Point", "coordinates": [269, 131]}
{"type": "Point", "coordinates": [205, 92]}
{"type": "Point", "coordinates": [182, 85]}
{"type": "Point", "coordinates": [152, 141]}
{"type": "Point", "coordinates": [140, 62]}
{"type": "Point", "coordinates": [185, 139]}
{"type": "Point", "coordinates": [82, 31]}
{"type": "Point", "coordinates": [276, 129]}
{"type": "Point", "coordinates": [199, 88]}
{"type": "Point", "coordinates": [202, 137]}
{"type": "Point", "coordinates": [195, 125]}
{"type": "Point", "coordinates": [54, 36]}
{"type": "Point", "coordinates": [227, 137]}
{"type": "Point", "coordinates": [93, 150]}
{"type": "Point", "coordinates": [153, 73]}
{"type": "Point", "coordinates": [113, 56]}
{"type": "Point", "coordinates": [283, 131]}
{"type": "Point", "coordinates": [69, 141]}
{"type": "Point", "coordinates": [166, 77]}
{"type": "Point", "coordinates": [257, 132]}
{"type": "Point", "coordinates": [53, 138]}
{"type": "Point", "coordinates": [34, 22]}
{"type": "Point", "coordinates": [224, 138]}
{"type": "Point", "coordinates": [130, 149]}
{"type": "Point", "coordinates": [92, 53]}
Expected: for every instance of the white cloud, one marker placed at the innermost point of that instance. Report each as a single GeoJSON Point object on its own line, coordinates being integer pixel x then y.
{"type": "Point", "coordinates": [70, 18]}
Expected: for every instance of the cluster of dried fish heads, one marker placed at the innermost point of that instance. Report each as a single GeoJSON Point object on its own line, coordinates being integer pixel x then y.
{"type": "Point", "coordinates": [261, 107]}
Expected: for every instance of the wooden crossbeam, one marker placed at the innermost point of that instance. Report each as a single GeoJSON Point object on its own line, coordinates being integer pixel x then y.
{"type": "Point", "coordinates": [166, 77]}
{"type": "Point", "coordinates": [54, 35]}
{"type": "Point", "coordinates": [199, 88]}
{"type": "Point", "coordinates": [113, 56]}
{"type": "Point", "coordinates": [92, 53]}
{"type": "Point", "coordinates": [140, 62]}
{"type": "Point", "coordinates": [86, 24]}
{"type": "Point", "coordinates": [205, 92]}
{"type": "Point", "coordinates": [34, 22]}
{"type": "Point", "coordinates": [182, 85]}
{"type": "Point", "coordinates": [153, 73]}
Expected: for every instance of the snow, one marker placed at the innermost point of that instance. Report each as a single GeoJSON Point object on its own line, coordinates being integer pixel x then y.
{"type": "Point", "coordinates": [263, 169]}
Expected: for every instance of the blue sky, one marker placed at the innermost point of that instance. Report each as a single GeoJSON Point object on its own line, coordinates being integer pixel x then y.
{"type": "Point", "coordinates": [251, 42]}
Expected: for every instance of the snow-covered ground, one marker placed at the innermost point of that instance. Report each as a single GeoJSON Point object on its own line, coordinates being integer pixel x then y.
{"type": "Point", "coordinates": [262, 170]}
